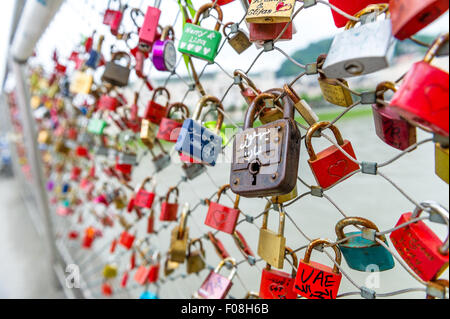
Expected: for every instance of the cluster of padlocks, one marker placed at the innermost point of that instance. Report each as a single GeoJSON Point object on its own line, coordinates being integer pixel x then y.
{"type": "Point", "coordinates": [73, 112]}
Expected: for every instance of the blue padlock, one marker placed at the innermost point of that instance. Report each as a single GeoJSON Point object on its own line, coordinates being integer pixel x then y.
{"type": "Point", "coordinates": [149, 295]}
{"type": "Point", "coordinates": [65, 188]}
{"type": "Point", "coordinates": [363, 253]}
{"type": "Point", "coordinates": [95, 55]}
{"type": "Point", "coordinates": [197, 141]}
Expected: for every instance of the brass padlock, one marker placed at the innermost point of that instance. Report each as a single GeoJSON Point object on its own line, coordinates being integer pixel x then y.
{"type": "Point", "coordinates": [180, 238]}
{"type": "Point", "coordinates": [333, 91]}
{"type": "Point", "coordinates": [170, 267]}
{"type": "Point", "coordinates": [271, 111]}
{"type": "Point", "coordinates": [285, 198]}
{"type": "Point", "coordinates": [81, 83]}
{"type": "Point", "coordinates": [301, 106]}
{"type": "Point", "coordinates": [120, 200]}
{"type": "Point", "coordinates": [110, 271]}
{"type": "Point", "coordinates": [195, 259]}
{"type": "Point", "coordinates": [442, 162]}
{"type": "Point", "coordinates": [237, 38]}
{"type": "Point", "coordinates": [271, 245]}
{"type": "Point", "coordinates": [148, 133]}
{"type": "Point", "coordinates": [61, 147]}
{"type": "Point", "coordinates": [44, 137]}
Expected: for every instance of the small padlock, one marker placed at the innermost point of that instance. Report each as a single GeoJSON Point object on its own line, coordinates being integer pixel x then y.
{"type": "Point", "coordinates": [179, 239]}
{"type": "Point", "coordinates": [249, 91]}
{"type": "Point", "coordinates": [110, 271]}
{"type": "Point", "coordinates": [170, 267]}
{"type": "Point", "coordinates": [285, 198]}
{"type": "Point", "coordinates": [317, 281]}
{"type": "Point", "coordinates": [350, 7]}
{"type": "Point", "coordinates": [169, 128]}
{"type": "Point", "coordinates": [117, 74]}
{"type": "Point", "coordinates": [301, 106]}
{"type": "Point", "coordinates": [148, 32]}
{"type": "Point", "coordinates": [374, 52]}
{"type": "Point", "coordinates": [164, 54]}
{"type": "Point", "coordinates": [277, 284]}
{"type": "Point", "coordinates": [153, 275]}
{"type": "Point", "coordinates": [195, 259]}
{"type": "Point", "coordinates": [144, 199]}
{"type": "Point", "coordinates": [162, 160]}
{"type": "Point", "coordinates": [419, 246]}
{"type": "Point", "coordinates": [331, 165]}
{"type": "Point", "coordinates": [193, 170]}
{"type": "Point", "coordinates": [389, 126]}
{"type": "Point", "coordinates": [270, 11]}
{"type": "Point", "coordinates": [120, 200]}
{"type": "Point", "coordinates": [215, 285]}
{"type": "Point", "coordinates": [243, 246]}
{"type": "Point", "coordinates": [44, 137]}
{"type": "Point", "coordinates": [96, 126]}
{"type": "Point", "coordinates": [95, 55]}
{"type": "Point", "coordinates": [126, 240]}
{"type": "Point", "coordinates": [148, 133]}
{"type": "Point", "coordinates": [199, 42]}
{"type": "Point", "coordinates": [237, 38]}
{"type": "Point", "coordinates": [81, 83]}
{"type": "Point", "coordinates": [269, 112]}
{"type": "Point", "coordinates": [218, 246]}
{"type": "Point", "coordinates": [262, 32]}
{"type": "Point", "coordinates": [362, 253]}
{"type": "Point", "coordinates": [442, 162]}
{"type": "Point", "coordinates": [423, 96]}
{"type": "Point", "coordinates": [156, 112]}
{"type": "Point", "coordinates": [271, 245]}
{"type": "Point", "coordinates": [169, 211]}
{"type": "Point", "coordinates": [108, 103]}
{"type": "Point", "coordinates": [221, 217]}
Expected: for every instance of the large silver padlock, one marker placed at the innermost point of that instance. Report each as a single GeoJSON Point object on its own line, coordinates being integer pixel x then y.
{"type": "Point", "coordinates": [364, 49]}
{"type": "Point", "coordinates": [127, 158]}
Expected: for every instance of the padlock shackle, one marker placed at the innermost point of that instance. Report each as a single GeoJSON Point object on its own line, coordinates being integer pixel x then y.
{"type": "Point", "coordinates": [147, 180]}
{"type": "Point", "coordinates": [223, 189]}
{"type": "Point", "coordinates": [355, 221]}
{"type": "Point", "coordinates": [247, 80]}
{"type": "Point", "coordinates": [176, 107]}
{"type": "Point", "coordinates": [223, 263]}
{"type": "Point", "coordinates": [225, 28]}
{"type": "Point", "coordinates": [109, 3]}
{"type": "Point", "coordinates": [282, 220]}
{"type": "Point", "coordinates": [206, 7]}
{"type": "Point", "coordinates": [171, 190]}
{"type": "Point", "coordinates": [183, 221]}
{"type": "Point", "coordinates": [310, 134]}
{"type": "Point", "coordinates": [254, 109]}
{"type": "Point", "coordinates": [119, 55]}
{"type": "Point", "coordinates": [163, 90]}
{"type": "Point", "coordinates": [291, 93]}
{"type": "Point", "coordinates": [439, 209]}
{"type": "Point", "coordinates": [134, 13]}
{"type": "Point", "coordinates": [382, 88]}
{"type": "Point", "coordinates": [193, 242]}
{"type": "Point", "coordinates": [168, 30]}
{"type": "Point", "coordinates": [218, 246]}
{"type": "Point", "coordinates": [377, 8]}
{"type": "Point", "coordinates": [318, 242]}
{"type": "Point", "coordinates": [201, 104]}
{"type": "Point", "coordinates": [100, 43]}
{"type": "Point", "coordinates": [435, 47]}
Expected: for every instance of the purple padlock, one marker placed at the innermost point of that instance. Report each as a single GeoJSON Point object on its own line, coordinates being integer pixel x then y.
{"type": "Point", "coordinates": [164, 52]}
{"type": "Point", "coordinates": [50, 186]}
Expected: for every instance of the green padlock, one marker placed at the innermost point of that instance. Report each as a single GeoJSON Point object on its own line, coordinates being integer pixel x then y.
{"type": "Point", "coordinates": [96, 126]}
{"type": "Point", "coordinates": [200, 42]}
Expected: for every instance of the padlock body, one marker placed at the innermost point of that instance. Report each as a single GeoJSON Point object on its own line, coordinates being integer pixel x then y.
{"type": "Point", "coordinates": [199, 143]}
{"type": "Point", "coordinates": [419, 247]}
{"type": "Point", "coordinates": [334, 93]}
{"type": "Point", "coordinates": [116, 74]}
{"type": "Point", "coordinates": [193, 170]}
{"type": "Point", "coordinates": [93, 60]}
{"type": "Point", "coordinates": [164, 55]}
{"type": "Point", "coordinates": [169, 130]}
{"type": "Point", "coordinates": [374, 52]}
{"type": "Point", "coordinates": [361, 254]}
{"type": "Point", "coordinates": [81, 83]}
{"type": "Point", "coordinates": [332, 165]}
{"type": "Point", "coordinates": [411, 16]}
{"type": "Point", "coordinates": [149, 295]}
{"type": "Point", "coordinates": [178, 246]}
{"type": "Point", "coordinates": [423, 98]}
{"type": "Point", "coordinates": [108, 103]}
{"type": "Point", "coordinates": [271, 150]}
{"type": "Point", "coordinates": [124, 168]}
{"type": "Point", "coordinates": [148, 133]}
{"type": "Point", "coordinates": [169, 212]}
{"type": "Point", "coordinates": [240, 42]}
{"type": "Point", "coordinates": [268, 32]}
{"type": "Point", "coordinates": [116, 21]}
{"type": "Point", "coordinates": [155, 112]}
{"type": "Point", "coordinates": [200, 42]}
{"type": "Point", "coordinates": [142, 274]}
{"type": "Point", "coordinates": [277, 285]}
{"type": "Point", "coordinates": [161, 162]}
{"type": "Point", "coordinates": [144, 199]}
{"type": "Point", "coordinates": [392, 129]}
{"type": "Point", "coordinates": [270, 11]}
{"type": "Point", "coordinates": [215, 286]}
{"type": "Point", "coordinates": [148, 32]}
{"type": "Point", "coordinates": [195, 263]}
{"type": "Point", "coordinates": [153, 275]}
{"type": "Point", "coordinates": [271, 248]}
{"type": "Point", "coordinates": [316, 281]}
{"type": "Point", "coordinates": [110, 271]}
{"type": "Point", "coordinates": [96, 126]}
{"type": "Point", "coordinates": [351, 7]}
{"type": "Point", "coordinates": [126, 240]}
{"type": "Point", "coordinates": [222, 218]}
{"type": "Point", "coordinates": [442, 162]}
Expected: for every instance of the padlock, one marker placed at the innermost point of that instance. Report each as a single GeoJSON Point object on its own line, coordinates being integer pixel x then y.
{"type": "Point", "coordinates": [199, 42]}
{"type": "Point", "coordinates": [75, 174]}
{"type": "Point", "coordinates": [193, 170]}
{"type": "Point", "coordinates": [127, 158]}
{"type": "Point", "coordinates": [96, 126]}
{"type": "Point", "coordinates": [110, 13]}
{"type": "Point", "coordinates": [120, 200]}
{"type": "Point", "coordinates": [350, 7]}
{"type": "Point", "coordinates": [110, 271]}
{"type": "Point", "coordinates": [153, 275]}
{"type": "Point", "coordinates": [389, 126]}
{"type": "Point", "coordinates": [195, 259]}
{"type": "Point", "coordinates": [44, 137]}
{"type": "Point", "coordinates": [144, 199]}
{"type": "Point", "coordinates": [223, 2]}
{"type": "Point", "coordinates": [363, 252]}
{"type": "Point", "coordinates": [126, 240]}
{"type": "Point", "coordinates": [243, 246]}
{"type": "Point", "coordinates": [81, 83]}
{"type": "Point", "coordinates": [124, 280]}
{"type": "Point", "coordinates": [419, 246]}
{"type": "Point", "coordinates": [301, 106]}
{"type": "Point", "coordinates": [437, 289]}
{"type": "Point", "coordinates": [148, 133]}
{"type": "Point", "coordinates": [61, 147]}
{"type": "Point", "coordinates": [108, 103]}
{"type": "Point", "coordinates": [149, 295]}
{"type": "Point", "coordinates": [117, 74]}
{"type": "Point", "coordinates": [107, 289]}
{"type": "Point", "coordinates": [141, 274]}
{"type": "Point", "coordinates": [317, 281]}
{"type": "Point", "coordinates": [237, 38]}
{"type": "Point", "coordinates": [215, 285]}
{"type": "Point", "coordinates": [265, 159]}
{"type": "Point", "coordinates": [277, 284]}
{"type": "Point", "coordinates": [271, 245]}
{"type": "Point", "coordinates": [221, 217]}
{"type": "Point", "coordinates": [117, 18]}
{"type": "Point", "coordinates": [170, 267]}
{"type": "Point", "coordinates": [249, 91]}
{"type": "Point", "coordinates": [411, 16]}
{"type": "Point", "coordinates": [261, 32]}
{"type": "Point", "coordinates": [161, 161]}
{"type": "Point", "coordinates": [270, 11]}
{"type": "Point", "coordinates": [198, 142]}
{"type": "Point", "coordinates": [331, 165]}
{"type": "Point", "coordinates": [164, 54]}
{"type": "Point", "coordinates": [285, 198]}
{"type": "Point", "coordinates": [95, 55]}
{"type": "Point", "coordinates": [169, 128]}
{"type": "Point", "coordinates": [423, 96]}
{"type": "Point", "coordinates": [169, 211]}
{"type": "Point", "coordinates": [442, 162]}
{"type": "Point", "coordinates": [374, 52]}
{"type": "Point", "coordinates": [148, 32]}
{"type": "Point", "coordinates": [156, 112]}
{"type": "Point", "coordinates": [179, 239]}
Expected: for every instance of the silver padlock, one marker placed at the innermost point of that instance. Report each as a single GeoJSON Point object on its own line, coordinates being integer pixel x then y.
{"type": "Point", "coordinates": [127, 158]}
{"type": "Point", "coordinates": [161, 161]}
{"type": "Point", "coordinates": [361, 50]}
{"type": "Point", "coordinates": [193, 170]}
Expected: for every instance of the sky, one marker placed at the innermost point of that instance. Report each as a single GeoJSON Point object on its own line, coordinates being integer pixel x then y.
{"type": "Point", "coordinates": [78, 18]}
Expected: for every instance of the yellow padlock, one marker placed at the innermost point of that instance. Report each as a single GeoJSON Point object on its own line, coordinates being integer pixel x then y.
{"type": "Point", "coordinates": [442, 162]}
{"type": "Point", "coordinates": [35, 102]}
{"type": "Point", "coordinates": [81, 83]}
{"type": "Point", "coordinates": [44, 137]}
{"type": "Point", "coordinates": [148, 133]}
{"type": "Point", "coordinates": [110, 271]}
{"type": "Point", "coordinates": [180, 238]}
{"type": "Point", "coordinates": [271, 245]}
{"type": "Point", "coordinates": [285, 198]}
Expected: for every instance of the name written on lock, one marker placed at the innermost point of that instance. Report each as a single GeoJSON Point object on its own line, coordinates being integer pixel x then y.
{"type": "Point", "coordinates": [256, 144]}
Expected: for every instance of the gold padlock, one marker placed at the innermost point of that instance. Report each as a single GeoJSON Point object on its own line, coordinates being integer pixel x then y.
{"type": "Point", "coordinates": [110, 271]}
{"type": "Point", "coordinates": [272, 111]}
{"type": "Point", "coordinates": [332, 90]}
{"type": "Point", "coordinates": [82, 83]}
{"type": "Point", "coordinates": [180, 238]}
{"type": "Point", "coordinates": [285, 198]}
{"type": "Point", "coordinates": [170, 267]}
{"type": "Point", "coordinates": [301, 106]}
{"type": "Point", "coordinates": [195, 259]}
{"type": "Point", "coordinates": [442, 162]}
{"type": "Point", "coordinates": [44, 137]}
{"type": "Point", "coordinates": [35, 102]}
{"type": "Point", "coordinates": [148, 134]}
{"type": "Point", "coordinates": [252, 295]}
{"type": "Point", "coordinates": [60, 147]}
{"type": "Point", "coordinates": [271, 245]}
{"type": "Point", "coordinates": [238, 39]}
{"type": "Point", "coordinates": [120, 200]}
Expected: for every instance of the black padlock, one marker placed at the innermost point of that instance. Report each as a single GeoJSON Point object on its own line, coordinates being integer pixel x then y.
{"type": "Point", "coordinates": [117, 74]}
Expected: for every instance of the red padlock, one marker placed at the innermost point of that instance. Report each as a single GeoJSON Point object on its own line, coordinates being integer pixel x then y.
{"type": "Point", "coordinates": [419, 246]}
{"type": "Point", "coordinates": [144, 199]}
{"type": "Point", "coordinates": [390, 127]}
{"type": "Point", "coordinates": [217, 286]}
{"type": "Point", "coordinates": [218, 246]}
{"type": "Point", "coordinates": [148, 32]}
{"type": "Point", "coordinates": [410, 16]}
{"type": "Point", "coordinates": [242, 245]}
{"type": "Point", "coordinates": [169, 211]}
{"type": "Point", "coordinates": [423, 97]}
{"type": "Point", "coordinates": [126, 240]}
{"type": "Point", "coordinates": [269, 31]}
{"type": "Point", "coordinates": [151, 222]}
{"type": "Point", "coordinates": [107, 289]}
{"type": "Point", "coordinates": [351, 7]}
{"type": "Point", "coordinates": [108, 103]}
{"type": "Point", "coordinates": [221, 217]}
{"type": "Point", "coordinates": [153, 275]}
{"type": "Point", "coordinates": [169, 128]}
{"type": "Point", "coordinates": [113, 247]}
{"type": "Point", "coordinates": [317, 281]}
{"type": "Point", "coordinates": [133, 260]}
{"type": "Point", "coordinates": [156, 112]}
{"type": "Point", "coordinates": [124, 281]}
{"type": "Point", "coordinates": [141, 275]}
{"type": "Point", "coordinates": [277, 284]}
{"type": "Point", "coordinates": [223, 2]}
{"type": "Point", "coordinates": [81, 151]}
{"type": "Point", "coordinates": [86, 185]}
{"type": "Point", "coordinates": [330, 165]}
{"type": "Point", "coordinates": [249, 91]}
{"type": "Point", "coordinates": [124, 168]}
{"type": "Point", "coordinates": [75, 174]}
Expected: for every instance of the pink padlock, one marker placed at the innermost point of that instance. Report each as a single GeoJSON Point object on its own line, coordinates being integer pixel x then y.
{"type": "Point", "coordinates": [149, 29]}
